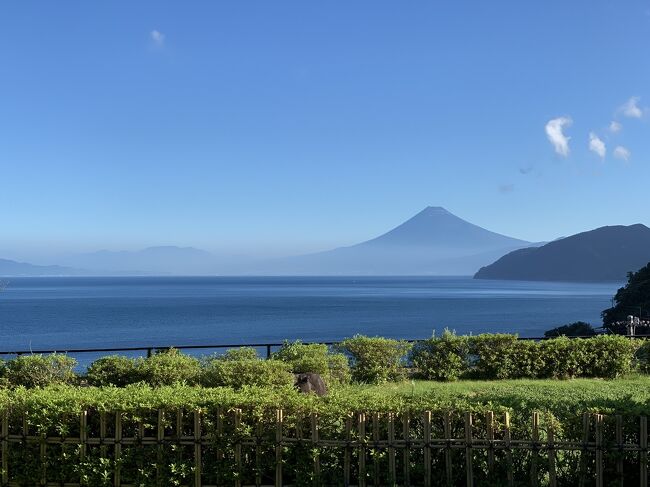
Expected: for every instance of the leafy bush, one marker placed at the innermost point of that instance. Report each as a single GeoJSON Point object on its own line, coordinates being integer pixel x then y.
{"type": "Point", "coordinates": [492, 355]}
{"type": "Point", "coordinates": [443, 358]}
{"type": "Point", "coordinates": [220, 372]}
{"type": "Point", "coordinates": [562, 357]}
{"type": "Point", "coordinates": [41, 370]}
{"type": "Point", "coordinates": [115, 370]}
{"type": "Point", "coordinates": [241, 353]}
{"type": "Point", "coordinates": [315, 357]}
{"type": "Point", "coordinates": [609, 356]}
{"type": "Point", "coordinates": [376, 359]}
{"type": "Point", "coordinates": [578, 328]}
{"type": "Point", "coordinates": [168, 367]}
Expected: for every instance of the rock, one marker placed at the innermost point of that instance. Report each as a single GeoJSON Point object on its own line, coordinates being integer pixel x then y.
{"type": "Point", "coordinates": [310, 382]}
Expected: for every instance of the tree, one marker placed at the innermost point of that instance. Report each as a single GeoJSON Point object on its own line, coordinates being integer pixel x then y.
{"type": "Point", "coordinates": [632, 299]}
{"type": "Point", "coordinates": [577, 329]}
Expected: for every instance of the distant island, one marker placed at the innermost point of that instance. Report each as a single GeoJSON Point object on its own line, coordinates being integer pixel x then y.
{"type": "Point", "coordinates": [604, 254]}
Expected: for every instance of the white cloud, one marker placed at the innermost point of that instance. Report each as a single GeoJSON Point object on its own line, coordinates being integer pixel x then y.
{"type": "Point", "coordinates": [555, 133]}
{"type": "Point", "coordinates": [631, 108]}
{"type": "Point", "coordinates": [622, 153]}
{"type": "Point", "coordinates": [615, 127]}
{"type": "Point", "coordinates": [158, 38]}
{"type": "Point", "coordinates": [597, 145]}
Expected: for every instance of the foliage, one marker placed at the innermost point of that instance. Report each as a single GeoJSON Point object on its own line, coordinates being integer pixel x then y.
{"type": "Point", "coordinates": [632, 299]}
{"type": "Point", "coordinates": [168, 367]}
{"type": "Point", "coordinates": [115, 370]}
{"type": "Point", "coordinates": [226, 372]}
{"type": "Point", "coordinates": [317, 358]}
{"type": "Point", "coordinates": [241, 353]}
{"type": "Point", "coordinates": [376, 359]}
{"type": "Point", "coordinates": [40, 370]}
{"type": "Point", "coordinates": [444, 358]}
{"type": "Point", "coordinates": [55, 411]}
{"type": "Point", "coordinates": [578, 328]}
{"type": "Point", "coordinates": [492, 355]}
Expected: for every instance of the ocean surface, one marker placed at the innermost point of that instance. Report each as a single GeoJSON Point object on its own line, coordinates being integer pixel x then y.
{"type": "Point", "coordinates": [69, 313]}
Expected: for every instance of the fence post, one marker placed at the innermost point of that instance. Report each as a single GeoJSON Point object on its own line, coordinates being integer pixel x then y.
{"type": "Point", "coordinates": [238, 463]}
{"type": "Point", "coordinates": [5, 448]}
{"type": "Point", "coordinates": [489, 421]}
{"type": "Point", "coordinates": [118, 448]}
{"type": "Point", "coordinates": [469, 453]}
{"type": "Point", "coordinates": [391, 449]}
{"type": "Point", "coordinates": [534, 478]}
{"type": "Point", "coordinates": [315, 446]}
{"type": "Point", "coordinates": [585, 449]}
{"type": "Point", "coordinates": [406, 432]}
{"type": "Point", "coordinates": [362, 449]}
{"type": "Point", "coordinates": [347, 459]}
{"type": "Point", "coordinates": [619, 445]}
{"type": "Point", "coordinates": [508, 441]}
{"type": "Point", "coordinates": [427, 448]}
{"type": "Point", "coordinates": [160, 435]}
{"type": "Point", "coordinates": [197, 448]}
{"type": "Point", "coordinates": [278, 447]}
{"type": "Point", "coordinates": [448, 458]}
{"type": "Point", "coordinates": [599, 450]}
{"type": "Point", "coordinates": [643, 443]}
{"type": "Point", "coordinates": [552, 475]}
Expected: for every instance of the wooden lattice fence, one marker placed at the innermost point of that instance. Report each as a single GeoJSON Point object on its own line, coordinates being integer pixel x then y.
{"type": "Point", "coordinates": [235, 447]}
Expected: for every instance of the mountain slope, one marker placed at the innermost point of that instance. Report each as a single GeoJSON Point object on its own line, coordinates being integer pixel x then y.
{"type": "Point", "coordinates": [11, 268]}
{"type": "Point", "coordinates": [161, 260]}
{"type": "Point", "coordinates": [433, 242]}
{"type": "Point", "coordinates": [603, 254]}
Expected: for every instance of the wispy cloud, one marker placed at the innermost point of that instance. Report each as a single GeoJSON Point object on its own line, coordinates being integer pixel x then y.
{"type": "Point", "coordinates": [555, 133]}
{"type": "Point", "coordinates": [158, 38]}
{"type": "Point", "coordinates": [506, 188]}
{"type": "Point", "coordinates": [597, 145]}
{"type": "Point", "coordinates": [631, 108]}
{"type": "Point", "coordinates": [615, 127]}
{"type": "Point", "coordinates": [526, 170]}
{"type": "Point", "coordinates": [622, 153]}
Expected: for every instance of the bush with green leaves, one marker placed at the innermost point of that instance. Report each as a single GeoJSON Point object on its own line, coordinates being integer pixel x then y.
{"type": "Point", "coordinates": [609, 356]}
{"type": "Point", "coordinates": [376, 359]}
{"type": "Point", "coordinates": [220, 371]}
{"type": "Point", "coordinates": [443, 358]}
{"type": "Point", "coordinates": [316, 358]}
{"type": "Point", "coordinates": [114, 370]}
{"type": "Point", "coordinates": [240, 353]}
{"type": "Point", "coordinates": [40, 370]}
{"type": "Point", "coordinates": [168, 367]}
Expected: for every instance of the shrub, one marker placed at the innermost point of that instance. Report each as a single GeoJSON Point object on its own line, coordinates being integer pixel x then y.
{"type": "Point", "coordinates": [41, 370]}
{"type": "Point", "coordinates": [609, 356]}
{"type": "Point", "coordinates": [578, 328]}
{"type": "Point", "coordinates": [315, 357]}
{"type": "Point", "coordinates": [168, 367]}
{"type": "Point", "coordinates": [376, 359]}
{"type": "Point", "coordinates": [114, 370]}
{"type": "Point", "coordinates": [492, 355]}
{"type": "Point", "coordinates": [563, 357]}
{"type": "Point", "coordinates": [220, 372]}
{"type": "Point", "coordinates": [443, 358]}
{"type": "Point", "coordinates": [525, 360]}
{"type": "Point", "coordinates": [241, 353]}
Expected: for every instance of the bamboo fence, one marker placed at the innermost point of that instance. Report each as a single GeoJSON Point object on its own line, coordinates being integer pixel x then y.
{"type": "Point", "coordinates": [372, 449]}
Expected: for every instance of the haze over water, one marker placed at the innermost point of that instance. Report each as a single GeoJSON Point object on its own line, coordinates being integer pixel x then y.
{"type": "Point", "coordinates": [66, 313]}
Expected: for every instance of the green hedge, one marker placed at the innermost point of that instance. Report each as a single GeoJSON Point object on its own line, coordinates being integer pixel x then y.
{"type": "Point", "coordinates": [54, 412]}
{"type": "Point", "coordinates": [363, 359]}
{"type": "Point", "coordinates": [501, 356]}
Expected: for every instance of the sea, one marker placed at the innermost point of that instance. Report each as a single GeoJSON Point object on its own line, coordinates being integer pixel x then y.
{"type": "Point", "coordinates": [65, 313]}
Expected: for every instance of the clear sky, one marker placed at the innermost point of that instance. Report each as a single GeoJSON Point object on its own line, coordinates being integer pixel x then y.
{"type": "Point", "coordinates": [276, 127]}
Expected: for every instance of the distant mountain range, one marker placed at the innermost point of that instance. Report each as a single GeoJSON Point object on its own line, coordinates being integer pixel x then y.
{"type": "Point", "coordinates": [18, 269]}
{"type": "Point", "coordinates": [603, 254]}
{"type": "Point", "coordinates": [433, 242]}
{"type": "Point", "coordinates": [163, 260]}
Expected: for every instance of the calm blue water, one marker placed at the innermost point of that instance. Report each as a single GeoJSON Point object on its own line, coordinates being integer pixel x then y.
{"type": "Point", "coordinates": [60, 313]}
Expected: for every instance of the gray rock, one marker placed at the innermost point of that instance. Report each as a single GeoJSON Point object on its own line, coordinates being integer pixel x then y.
{"type": "Point", "coordinates": [310, 382]}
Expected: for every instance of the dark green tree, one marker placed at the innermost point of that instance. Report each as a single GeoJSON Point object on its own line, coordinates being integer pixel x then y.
{"type": "Point", "coordinates": [632, 299]}
{"type": "Point", "coordinates": [577, 329]}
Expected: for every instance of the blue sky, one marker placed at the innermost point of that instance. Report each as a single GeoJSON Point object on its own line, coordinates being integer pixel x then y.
{"type": "Point", "coordinates": [283, 127]}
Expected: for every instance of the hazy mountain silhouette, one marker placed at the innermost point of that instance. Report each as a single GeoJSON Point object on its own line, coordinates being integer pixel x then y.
{"type": "Point", "coordinates": [163, 260]}
{"type": "Point", "coordinates": [11, 268]}
{"type": "Point", "coordinates": [433, 242]}
{"type": "Point", "coordinates": [603, 254]}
